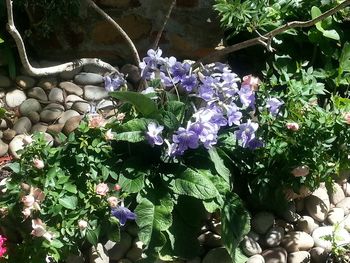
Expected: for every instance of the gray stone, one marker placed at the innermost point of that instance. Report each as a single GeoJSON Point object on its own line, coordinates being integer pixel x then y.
{"type": "Point", "coordinates": [16, 144]}
{"type": "Point", "coordinates": [81, 107]}
{"type": "Point", "coordinates": [71, 88]}
{"type": "Point", "coordinates": [105, 105]}
{"type": "Point", "coordinates": [2, 93]}
{"type": "Point", "coordinates": [256, 259]}
{"type": "Point", "coordinates": [71, 124]}
{"type": "Point", "coordinates": [318, 255]}
{"type": "Point", "coordinates": [297, 241]}
{"type": "Point", "coordinates": [299, 257]}
{"type": "Point", "coordinates": [346, 189]}
{"type": "Point", "coordinates": [317, 204]}
{"type": "Point", "coordinates": [37, 93]}
{"type": "Point", "coordinates": [25, 82]}
{"type": "Point", "coordinates": [98, 254]}
{"type": "Point", "coordinates": [70, 99]}
{"type": "Point", "coordinates": [95, 69]}
{"type": "Point", "coordinates": [56, 95]}
{"type": "Point", "coordinates": [275, 255]}
{"type": "Point", "coordinates": [84, 78]}
{"type": "Point", "coordinates": [48, 138]}
{"type": "Point", "coordinates": [119, 250]}
{"type": "Point", "coordinates": [132, 73]}
{"type": "Point", "coordinates": [39, 127]}
{"type": "Point", "coordinates": [8, 134]}
{"type": "Point", "coordinates": [335, 215]}
{"type": "Point", "coordinates": [95, 93]}
{"type": "Point", "coordinates": [34, 117]}
{"type": "Point", "coordinates": [321, 234]}
{"type": "Point", "coordinates": [337, 194]}
{"type": "Point", "coordinates": [22, 125]}
{"type": "Point", "coordinates": [15, 98]}
{"type": "Point", "coordinates": [3, 124]}
{"type": "Point", "coordinates": [5, 82]}
{"type": "Point", "coordinates": [54, 106]}
{"type": "Point", "coordinates": [55, 128]}
{"type": "Point", "coordinates": [50, 115]}
{"type": "Point", "coordinates": [250, 247]}
{"type": "Point", "coordinates": [70, 74]}
{"type": "Point", "coordinates": [218, 254]}
{"type": "Point", "coordinates": [29, 106]}
{"type": "Point", "coordinates": [274, 236]}
{"type": "Point", "coordinates": [306, 224]}
{"type": "Point", "coordinates": [262, 221]}
{"type": "Point", "coordinates": [67, 115]}
{"type": "Point", "coordinates": [48, 83]}
{"type": "Point", "coordinates": [345, 205]}
{"type": "Point", "coordinates": [290, 214]}
{"type": "Point", "coordinates": [3, 148]}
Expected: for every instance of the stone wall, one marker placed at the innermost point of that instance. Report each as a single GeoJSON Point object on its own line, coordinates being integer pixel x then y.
{"type": "Point", "coordinates": [191, 32]}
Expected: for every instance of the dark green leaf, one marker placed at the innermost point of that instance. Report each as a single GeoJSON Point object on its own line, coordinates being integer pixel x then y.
{"type": "Point", "coordinates": [344, 61]}
{"type": "Point", "coordinates": [133, 185]}
{"type": "Point", "coordinates": [142, 103]}
{"type": "Point", "coordinates": [92, 236]}
{"type": "Point", "coordinates": [219, 165]}
{"type": "Point", "coordinates": [69, 202]}
{"type": "Point", "coordinates": [134, 136]}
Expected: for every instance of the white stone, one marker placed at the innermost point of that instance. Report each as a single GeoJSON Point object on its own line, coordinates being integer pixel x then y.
{"type": "Point", "coordinates": [15, 98]}
{"type": "Point", "coordinates": [95, 93]}
{"type": "Point", "coordinates": [335, 215]}
{"type": "Point", "coordinates": [306, 224]}
{"type": "Point", "coordinates": [337, 194]}
{"type": "Point", "coordinates": [345, 205]}
{"type": "Point", "coordinates": [318, 204]}
{"type": "Point", "coordinates": [297, 241]}
{"type": "Point", "coordinates": [322, 234]}
{"type": "Point", "coordinates": [16, 144]}
{"type": "Point", "coordinates": [22, 125]}
{"type": "Point", "coordinates": [250, 247]}
{"type": "Point", "coordinates": [67, 115]}
{"type": "Point", "coordinates": [98, 254]}
{"type": "Point", "coordinates": [346, 189]}
{"type": "Point", "coordinates": [274, 236]}
{"type": "Point", "coordinates": [299, 257]}
{"type": "Point", "coordinates": [274, 255]}
{"type": "Point", "coordinates": [256, 259]}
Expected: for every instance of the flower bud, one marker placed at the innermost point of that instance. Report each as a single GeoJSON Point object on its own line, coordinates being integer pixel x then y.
{"type": "Point", "coordinates": [82, 224]}
{"type": "Point", "coordinates": [113, 201]}
{"type": "Point", "coordinates": [39, 164]}
{"type": "Point", "coordinates": [302, 170]}
{"type": "Point", "coordinates": [28, 200]}
{"type": "Point", "coordinates": [102, 189]}
{"type": "Point", "coordinates": [293, 126]}
{"type": "Point", "coordinates": [96, 121]}
{"type": "Point", "coordinates": [117, 187]}
{"type": "Point", "coordinates": [109, 135]}
{"type": "Point", "coordinates": [26, 212]}
{"type": "Point", "coordinates": [347, 117]}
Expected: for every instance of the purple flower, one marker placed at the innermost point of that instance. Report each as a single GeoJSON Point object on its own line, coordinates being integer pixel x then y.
{"type": "Point", "coordinates": [185, 139]}
{"type": "Point", "coordinates": [246, 132]}
{"type": "Point", "coordinates": [123, 214]}
{"type": "Point", "coordinates": [189, 82]}
{"type": "Point", "coordinates": [247, 96]}
{"type": "Point", "coordinates": [273, 105]}
{"type": "Point", "coordinates": [114, 82]}
{"type": "Point", "coordinates": [167, 81]}
{"type": "Point", "coordinates": [233, 115]}
{"type": "Point", "coordinates": [255, 143]}
{"type": "Point", "coordinates": [179, 70]}
{"type": "Point", "coordinates": [152, 134]}
{"type": "Point", "coordinates": [206, 92]}
{"type": "Point", "coordinates": [154, 58]}
{"type": "Point", "coordinates": [207, 133]}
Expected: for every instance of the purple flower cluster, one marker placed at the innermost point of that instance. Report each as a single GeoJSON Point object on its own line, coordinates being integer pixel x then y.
{"type": "Point", "coordinates": [222, 102]}
{"type": "Point", "coordinates": [114, 81]}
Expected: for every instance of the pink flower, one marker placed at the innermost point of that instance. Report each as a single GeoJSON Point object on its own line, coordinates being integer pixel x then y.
{"type": "Point", "coordinates": [82, 224]}
{"type": "Point", "coordinates": [39, 229]}
{"type": "Point", "coordinates": [102, 189]}
{"type": "Point", "coordinates": [120, 116]}
{"type": "Point", "coordinates": [117, 187]}
{"type": "Point", "coordinates": [3, 249]}
{"type": "Point", "coordinates": [302, 170]}
{"type": "Point", "coordinates": [253, 82]}
{"type": "Point", "coordinates": [28, 200]}
{"type": "Point", "coordinates": [293, 126]}
{"type": "Point", "coordinates": [27, 212]}
{"type": "Point", "coordinates": [347, 117]}
{"type": "Point", "coordinates": [96, 121]}
{"type": "Point", "coordinates": [39, 164]}
{"type": "Point", "coordinates": [113, 201]}
{"type": "Point", "coordinates": [109, 135]}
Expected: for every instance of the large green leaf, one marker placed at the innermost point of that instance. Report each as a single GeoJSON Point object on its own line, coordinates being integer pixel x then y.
{"type": "Point", "coordinates": [332, 34]}
{"type": "Point", "coordinates": [133, 185]}
{"type": "Point", "coordinates": [142, 103]}
{"type": "Point", "coordinates": [344, 61]}
{"type": "Point", "coordinates": [235, 225]}
{"type": "Point", "coordinates": [132, 136]}
{"type": "Point", "coordinates": [151, 219]}
{"type": "Point", "coordinates": [177, 108]}
{"type": "Point", "coordinates": [220, 167]}
{"type": "Point", "coordinates": [92, 236]}
{"type": "Point", "coordinates": [69, 202]}
{"type": "Point", "coordinates": [194, 183]}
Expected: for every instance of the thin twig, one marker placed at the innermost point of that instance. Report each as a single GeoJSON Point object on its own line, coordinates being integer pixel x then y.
{"type": "Point", "coordinates": [262, 39]}
{"type": "Point", "coordinates": [119, 29]}
{"type": "Point", "coordinates": [160, 32]}
{"type": "Point", "coordinates": [48, 70]}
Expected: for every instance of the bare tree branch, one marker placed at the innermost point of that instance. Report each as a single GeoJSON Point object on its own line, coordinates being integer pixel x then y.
{"type": "Point", "coordinates": [160, 32]}
{"type": "Point", "coordinates": [119, 29]}
{"type": "Point", "coordinates": [48, 70]}
{"type": "Point", "coordinates": [265, 39]}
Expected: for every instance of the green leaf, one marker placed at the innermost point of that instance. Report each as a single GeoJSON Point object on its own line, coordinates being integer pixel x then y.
{"type": "Point", "coordinates": [316, 12]}
{"type": "Point", "coordinates": [92, 236]}
{"type": "Point", "coordinates": [344, 61]}
{"type": "Point", "coordinates": [70, 188]}
{"type": "Point", "coordinates": [142, 103]}
{"type": "Point", "coordinates": [1, 40]}
{"type": "Point", "coordinates": [15, 167]}
{"type": "Point", "coordinates": [133, 185]}
{"type": "Point", "coordinates": [331, 34]}
{"type": "Point", "coordinates": [151, 219]}
{"type": "Point", "coordinates": [133, 136]}
{"type": "Point", "coordinates": [235, 225]}
{"type": "Point", "coordinates": [177, 108]}
{"type": "Point", "coordinates": [194, 183]}
{"type": "Point", "coordinates": [170, 120]}
{"type": "Point", "coordinates": [69, 202]}
{"type": "Point", "coordinates": [220, 167]}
